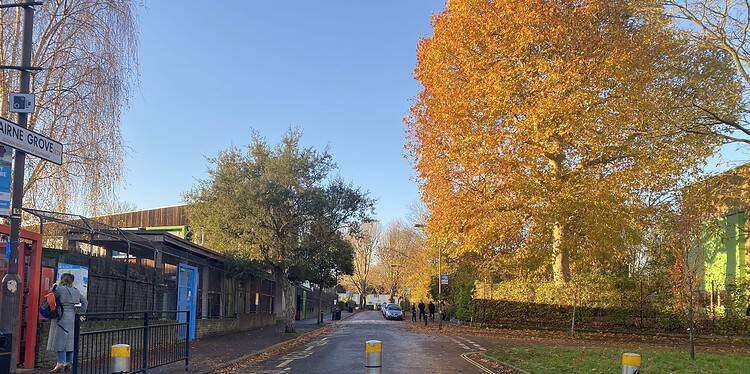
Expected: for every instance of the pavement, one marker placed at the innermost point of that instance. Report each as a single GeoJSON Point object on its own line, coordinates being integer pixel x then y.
{"type": "Point", "coordinates": [341, 351]}
{"type": "Point", "coordinates": [404, 351]}
{"type": "Point", "coordinates": [215, 351]}
{"type": "Point", "coordinates": [212, 352]}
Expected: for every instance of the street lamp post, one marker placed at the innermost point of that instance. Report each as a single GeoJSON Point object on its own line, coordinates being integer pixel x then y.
{"type": "Point", "coordinates": [440, 288]}
{"type": "Point", "coordinates": [394, 282]}
{"type": "Point", "coordinates": [11, 284]}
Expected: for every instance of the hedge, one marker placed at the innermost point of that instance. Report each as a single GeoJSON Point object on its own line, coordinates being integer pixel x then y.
{"type": "Point", "coordinates": [535, 315]}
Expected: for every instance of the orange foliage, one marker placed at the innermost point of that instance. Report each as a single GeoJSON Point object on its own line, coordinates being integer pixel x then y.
{"type": "Point", "coordinates": [547, 129]}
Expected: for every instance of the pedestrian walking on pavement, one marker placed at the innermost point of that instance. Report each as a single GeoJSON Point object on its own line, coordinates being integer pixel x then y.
{"type": "Point", "coordinates": [61, 337]}
{"type": "Point", "coordinates": [431, 307]}
{"type": "Point", "coordinates": [422, 314]}
{"type": "Point", "coordinates": [413, 313]}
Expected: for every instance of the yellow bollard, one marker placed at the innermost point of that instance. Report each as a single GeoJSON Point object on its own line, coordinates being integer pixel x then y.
{"type": "Point", "coordinates": [373, 356]}
{"type": "Point", "coordinates": [120, 354]}
{"type": "Point", "coordinates": [631, 363]}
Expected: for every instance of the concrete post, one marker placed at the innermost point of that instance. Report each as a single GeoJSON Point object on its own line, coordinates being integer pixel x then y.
{"type": "Point", "coordinates": [120, 354]}
{"type": "Point", "coordinates": [631, 363]}
{"type": "Point", "coordinates": [373, 356]}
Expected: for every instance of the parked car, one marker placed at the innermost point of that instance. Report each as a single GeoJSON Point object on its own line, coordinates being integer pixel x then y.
{"type": "Point", "coordinates": [382, 307]}
{"type": "Point", "coordinates": [385, 308]}
{"type": "Point", "coordinates": [393, 311]}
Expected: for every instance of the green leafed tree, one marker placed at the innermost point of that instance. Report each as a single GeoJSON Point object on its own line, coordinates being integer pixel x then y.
{"type": "Point", "coordinates": [324, 262]}
{"type": "Point", "coordinates": [258, 203]}
{"type": "Point", "coordinates": [336, 209]}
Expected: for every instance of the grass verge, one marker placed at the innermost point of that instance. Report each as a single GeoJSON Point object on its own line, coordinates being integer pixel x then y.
{"type": "Point", "coordinates": [560, 359]}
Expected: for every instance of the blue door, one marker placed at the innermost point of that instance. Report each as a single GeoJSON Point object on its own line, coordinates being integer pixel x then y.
{"type": "Point", "coordinates": [187, 289]}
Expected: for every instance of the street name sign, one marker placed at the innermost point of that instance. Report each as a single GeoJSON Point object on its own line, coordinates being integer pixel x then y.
{"type": "Point", "coordinates": [30, 141]}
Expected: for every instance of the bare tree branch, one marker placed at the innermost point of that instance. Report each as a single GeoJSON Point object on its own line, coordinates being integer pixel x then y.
{"type": "Point", "coordinates": [725, 26]}
{"type": "Point", "coordinates": [88, 51]}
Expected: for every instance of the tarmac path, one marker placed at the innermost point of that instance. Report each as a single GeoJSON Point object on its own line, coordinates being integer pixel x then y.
{"type": "Point", "coordinates": [404, 351]}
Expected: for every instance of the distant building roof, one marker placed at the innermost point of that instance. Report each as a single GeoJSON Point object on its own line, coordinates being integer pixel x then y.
{"type": "Point", "coordinates": [174, 215]}
{"type": "Point", "coordinates": [728, 192]}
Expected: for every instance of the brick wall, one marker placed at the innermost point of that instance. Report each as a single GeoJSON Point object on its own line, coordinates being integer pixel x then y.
{"type": "Point", "coordinates": [219, 326]}
{"type": "Point", "coordinates": [47, 358]}
{"type": "Point", "coordinates": [43, 356]}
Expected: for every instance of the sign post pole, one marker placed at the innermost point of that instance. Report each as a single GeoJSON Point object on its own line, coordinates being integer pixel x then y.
{"type": "Point", "coordinates": [11, 284]}
{"type": "Point", "coordinates": [440, 289]}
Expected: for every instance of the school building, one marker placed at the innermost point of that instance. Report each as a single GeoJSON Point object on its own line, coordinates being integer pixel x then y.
{"type": "Point", "coordinates": [146, 260]}
{"type": "Point", "coordinates": [723, 258]}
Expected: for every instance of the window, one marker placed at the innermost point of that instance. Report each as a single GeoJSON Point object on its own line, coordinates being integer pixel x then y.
{"type": "Point", "coordinates": [215, 280]}
{"type": "Point", "coordinates": [264, 297]}
{"type": "Point", "coordinates": [229, 297]}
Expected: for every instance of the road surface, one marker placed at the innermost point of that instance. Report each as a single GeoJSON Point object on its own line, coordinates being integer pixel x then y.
{"type": "Point", "coordinates": [403, 351]}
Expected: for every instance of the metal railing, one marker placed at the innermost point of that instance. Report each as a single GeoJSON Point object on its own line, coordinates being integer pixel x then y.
{"type": "Point", "coordinates": [156, 338]}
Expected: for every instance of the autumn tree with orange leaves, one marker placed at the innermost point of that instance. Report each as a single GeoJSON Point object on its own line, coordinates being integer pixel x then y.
{"type": "Point", "coordinates": [548, 131]}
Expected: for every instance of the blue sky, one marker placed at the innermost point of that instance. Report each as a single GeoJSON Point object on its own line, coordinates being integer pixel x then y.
{"type": "Point", "coordinates": [339, 70]}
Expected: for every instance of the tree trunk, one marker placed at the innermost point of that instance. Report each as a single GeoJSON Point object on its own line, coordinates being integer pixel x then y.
{"type": "Point", "coordinates": [692, 333]}
{"type": "Point", "coordinates": [362, 296]}
{"type": "Point", "coordinates": [561, 267]}
{"type": "Point", "coordinates": [691, 306]}
{"type": "Point", "coordinates": [561, 253]}
{"type": "Point", "coordinates": [290, 308]}
{"type": "Point", "coordinates": [287, 300]}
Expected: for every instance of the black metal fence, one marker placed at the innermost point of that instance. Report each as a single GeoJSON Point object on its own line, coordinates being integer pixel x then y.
{"type": "Point", "coordinates": [156, 338]}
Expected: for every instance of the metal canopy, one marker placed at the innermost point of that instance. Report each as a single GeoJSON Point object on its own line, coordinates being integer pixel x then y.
{"type": "Point", "coordinates": [132, 242]}
{"type": "Point", "coordinates": [97, 231]}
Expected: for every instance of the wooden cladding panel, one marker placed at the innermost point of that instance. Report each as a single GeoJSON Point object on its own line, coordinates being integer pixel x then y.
{"type": "Point", "coordinates": [168, 216]}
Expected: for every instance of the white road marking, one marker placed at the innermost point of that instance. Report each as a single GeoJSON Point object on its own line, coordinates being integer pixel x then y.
{"type": "Point", "coordinates": [367, 322]}
{"type": "Point", "coordinates": [464, 346]}
{"type": "Point", "coordinates": [307, 352]}
{"type": "Point", "coordinates": [465, 356]}
{"type": "Point", "coordinates": [272, 371]}
{"type": "Point", "coordinates": [477, 346]}
{"type": "Point", "coordinates": [285, 363]}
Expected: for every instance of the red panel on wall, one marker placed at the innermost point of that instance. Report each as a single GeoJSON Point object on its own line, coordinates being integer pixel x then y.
{"type": "Point", "coordinates": [48, 280]}
{"type": "Point", "coordinates": [29, 260]}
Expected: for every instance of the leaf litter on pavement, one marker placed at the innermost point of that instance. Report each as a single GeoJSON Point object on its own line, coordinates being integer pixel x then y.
{"type": "Point", "coordinates": [275, 350]}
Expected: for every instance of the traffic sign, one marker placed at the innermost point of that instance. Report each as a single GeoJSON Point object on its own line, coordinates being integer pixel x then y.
{"type": "Point", "coordinates": [21, 103]}
{"type": "Point", "coordinates": [444, 278]}
{"type": "Point", "coordinates": [30, 141]}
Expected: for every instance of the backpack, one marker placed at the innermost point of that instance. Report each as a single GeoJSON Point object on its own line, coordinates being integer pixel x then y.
{"type": "Point", "coordinates": [51, 308]}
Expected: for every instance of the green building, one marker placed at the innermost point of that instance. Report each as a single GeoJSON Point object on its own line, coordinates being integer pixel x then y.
{"type": "Point", "coordinates": [724, 261]}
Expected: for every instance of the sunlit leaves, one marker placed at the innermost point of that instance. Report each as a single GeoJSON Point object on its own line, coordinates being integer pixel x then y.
{"type": "Point", "coordinates": [568, 114]}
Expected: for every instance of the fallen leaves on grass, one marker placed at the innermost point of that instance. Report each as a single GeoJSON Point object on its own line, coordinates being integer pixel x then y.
{"type": "Point", "coordinates": [717, 344]}
{"type": "Point", "coordinates": [568, 359]}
